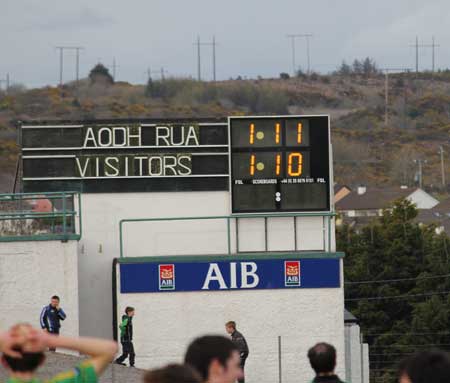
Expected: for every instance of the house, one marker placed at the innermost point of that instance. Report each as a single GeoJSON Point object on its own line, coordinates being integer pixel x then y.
{"type": "Point", "coordinates": [364, 202]}
{"type": "Point", "coordinates": [438, 215]}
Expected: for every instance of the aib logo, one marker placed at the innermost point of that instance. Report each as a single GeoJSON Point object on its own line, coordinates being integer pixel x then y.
{"type": "Point", "coordinates": [292, 273]}
{"type": "Point", "coordinates": [167, 277]}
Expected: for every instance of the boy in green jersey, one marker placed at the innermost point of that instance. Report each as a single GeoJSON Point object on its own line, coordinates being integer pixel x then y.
{"type": "Point", "coordinates": [126, 337]}
{"type": "Point", "coordinates": [23, 352]}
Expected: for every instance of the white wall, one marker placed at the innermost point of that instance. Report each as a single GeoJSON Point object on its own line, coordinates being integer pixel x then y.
{"type": "Point", "coordinates": [99, 244]}
{"type": "Point", "coordinates": [165, 323]}
{"type": "Point", "coordinates": [30, 273]}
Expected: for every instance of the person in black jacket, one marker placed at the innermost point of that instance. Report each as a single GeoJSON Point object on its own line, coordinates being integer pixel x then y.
{"type": "Point", "coordinates": [322, 358]}
{"type": "Point", "coordinates": [238, 339]}
{"type": "Point", "coordinates": [51, 317]}
{"type": "Point", "coordinates": [126, 337]}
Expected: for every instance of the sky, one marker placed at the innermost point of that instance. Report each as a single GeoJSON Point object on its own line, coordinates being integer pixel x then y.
{"type": "Point", "coordinates": [251, 36]}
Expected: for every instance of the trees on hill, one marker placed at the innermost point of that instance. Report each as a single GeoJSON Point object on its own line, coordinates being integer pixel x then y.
{"type": "Point", "coordinates": [100, 75]}
{"type": "Point", "coordinates": [366, 67]}
{"type": "Point", "coordinates": [397, 284]}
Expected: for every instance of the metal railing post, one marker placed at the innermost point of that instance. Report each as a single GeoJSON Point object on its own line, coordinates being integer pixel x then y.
{"type": "Point", "coordinates": [279, 360]}
{"type": "Point", "coordinates": [229, 235]}
{"type": "Point", "coordinates": [64, 214]}
{"type": "Point", "coordinates": [121, 237]}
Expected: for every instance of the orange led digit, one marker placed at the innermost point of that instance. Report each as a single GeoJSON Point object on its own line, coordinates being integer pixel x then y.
{"type": "Point", "coordinates": [252, 133]}
{"type": "Point", "coordinates": [299, 169]}
{"type": "Point", "coordinates": [277, 133]}
{"type": "Point", "coordinates": [278, 165]}
{"type": "Point", "coordinates": [252, 164]}
{"type": "Point", "coordinates": [299, 133]}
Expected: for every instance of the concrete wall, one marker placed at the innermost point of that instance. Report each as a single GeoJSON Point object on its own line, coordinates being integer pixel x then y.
{"type": "Point", "coordinates": [165, 323]}
{"type": "Point", "coordinates": [357, 355]}
{"type": "Point", "coordinates": [100, 241]}
{"type": "Point", "coordinates": [30, 273]}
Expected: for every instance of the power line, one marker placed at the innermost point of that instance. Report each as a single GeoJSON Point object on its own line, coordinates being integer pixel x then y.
{"type": "Point", "coordinates": [398, 279]}
{"type": "Point", "coordinates": [397, 296]}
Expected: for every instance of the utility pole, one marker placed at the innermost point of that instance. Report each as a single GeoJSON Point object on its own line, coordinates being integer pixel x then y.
{"type": "Point", "coordinates": [213, 44]}
{"type": "Point", "coordinates": [61, 63]}
{"type": "Point", "coordinates": [420, 162]}
{"type": "Point", "coordinates": [386, 89]}
{"type": "Point", "coordinates": [441, 152]}
{"type": "Point", "coordinates": [214, 57]}
{"type": "Point", "coordinates": [199, 76]}
{"type": "Point", "coordinates": [114, 66]}
{"type": "Point", "coordinates": [161, 72]}
{"type": "Point", "coordinates": [61, 51]}
{"type": "Point", "coordinates": [6, 81]}
{"type": "Point", "coordinates": [432, 46]}
{"type": "Point", "coordinates": [293, 37]}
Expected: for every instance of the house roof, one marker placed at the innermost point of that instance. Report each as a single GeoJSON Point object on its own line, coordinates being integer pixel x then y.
{"type": "Point", "coordinates": [442, 207]}
{"type": "Point", "coordinates": [338, 187]}
{"type": "Point", "coordinates": [372, 199]}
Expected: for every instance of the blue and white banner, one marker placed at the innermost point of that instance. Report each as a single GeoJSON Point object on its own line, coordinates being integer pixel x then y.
{"type": "Point", "coordinates": [229, 275]}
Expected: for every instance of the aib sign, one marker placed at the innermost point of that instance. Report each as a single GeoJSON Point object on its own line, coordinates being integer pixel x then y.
{"type": "Point", "coordinates": [152, 277]}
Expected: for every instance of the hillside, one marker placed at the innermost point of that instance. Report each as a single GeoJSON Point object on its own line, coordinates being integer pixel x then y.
{"type": "Point", "coordinates": [366, 150]}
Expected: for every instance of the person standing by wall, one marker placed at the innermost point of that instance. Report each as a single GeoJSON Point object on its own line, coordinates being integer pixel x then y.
{"type": "Point", "coordinates": [126, 337]}
{"type": "Point", "coordinates": [51, 317]}
{"type": "Point", "coordinates": [238, 339]}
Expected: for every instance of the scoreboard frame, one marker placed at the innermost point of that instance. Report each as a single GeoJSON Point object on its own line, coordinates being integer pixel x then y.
{"type": "Point", "coordinates": [329, 207]}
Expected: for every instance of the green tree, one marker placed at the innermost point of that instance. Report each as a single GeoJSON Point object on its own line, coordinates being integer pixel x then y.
{"type": "Point", "coordinates": [403, 300]}
{"type": "Point", "coordinates": [100, 74]}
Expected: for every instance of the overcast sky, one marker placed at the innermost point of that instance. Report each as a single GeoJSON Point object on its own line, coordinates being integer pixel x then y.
{"type": "Point", "coordinates": [251, 35]}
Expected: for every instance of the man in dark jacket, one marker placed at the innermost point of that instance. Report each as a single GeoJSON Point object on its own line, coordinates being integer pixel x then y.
{"type": "Point", "coordinates": [126, 337]}
{"type": "Point", "coordinates": [51, 317]}
{"type": "Point", "coordinates": [238, 339]}
{"type": "Point", "coordinates": [322, 358]}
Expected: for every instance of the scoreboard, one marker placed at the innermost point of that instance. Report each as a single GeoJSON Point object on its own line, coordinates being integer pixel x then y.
{"type": "Point", "coordinates": [268, 164]}
{"type": "Point", "coordinates": [279, 164]}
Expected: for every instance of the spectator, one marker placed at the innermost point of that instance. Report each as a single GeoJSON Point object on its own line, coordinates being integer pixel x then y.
{"type": "Point", "coordinates": [425, 367]}
{"type": "Point", "coordinates": [238, 339]}
{"type": "Point", "coordinates": [322, 358]}
{"type": "Point", "coordinates": [173, 373]}
{"type": "Point", "coordinates": [23, 352]}
{"type": "Point", "coordinates": [126, 337]}
{"type": "Point", "coordinates": [51, 317]}
{"type": "Point", "coordinates": [216, 358]}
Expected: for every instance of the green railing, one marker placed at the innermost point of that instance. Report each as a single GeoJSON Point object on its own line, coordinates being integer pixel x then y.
{"type": "Point", "coordinates": [40, 216]}
{"type": "Point", "coordinates": [326, 215]}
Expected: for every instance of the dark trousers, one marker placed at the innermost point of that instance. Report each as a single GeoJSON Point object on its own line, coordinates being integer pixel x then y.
{"type": "Point", "coordinates": [242, 367]}
{"type": "Point", "coordinates": [127, 351]}
{"type": "Point", "coordinates": [54, 332]}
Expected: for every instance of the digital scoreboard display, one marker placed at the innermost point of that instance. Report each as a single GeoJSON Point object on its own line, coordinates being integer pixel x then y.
{"type": "Point", "coordinates": [279, 164]}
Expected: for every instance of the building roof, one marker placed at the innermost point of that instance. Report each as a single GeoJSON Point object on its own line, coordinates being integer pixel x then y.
{"type": "Point", "coordinates": [373, 198]}
{"type": "Point", "coordinates": [349, 317]}
{"type": "Point", "coordinates": [442, 207]}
